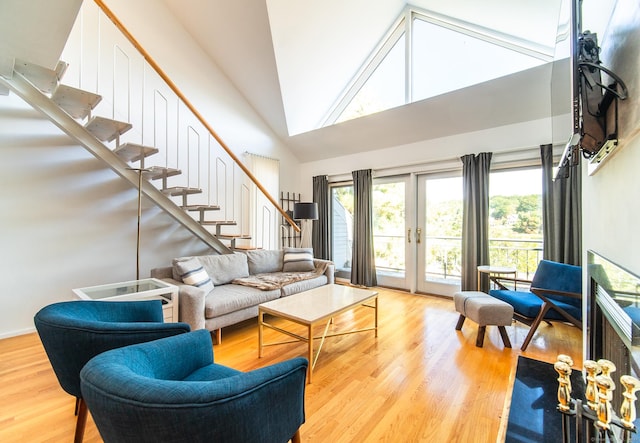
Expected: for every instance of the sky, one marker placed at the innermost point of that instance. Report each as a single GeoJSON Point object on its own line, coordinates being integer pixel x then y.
{"type": "Point", "coordinates": [518, 182]}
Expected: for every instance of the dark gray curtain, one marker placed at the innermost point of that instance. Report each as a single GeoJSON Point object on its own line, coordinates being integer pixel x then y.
{"type": "Point", "coordinates": [475, 219]}
{"type": "Point", "coordinates": [320, 239]}
{"type": "Point", "coordinates": [561, 212]}
{"type": "Point", "coordinates": [363, 267]}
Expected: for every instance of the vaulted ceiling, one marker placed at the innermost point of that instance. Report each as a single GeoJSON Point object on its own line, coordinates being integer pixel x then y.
{"type": "Point", "coordinates": [273, 50]}
{"type": "Point", "coordinates": [313, 40]}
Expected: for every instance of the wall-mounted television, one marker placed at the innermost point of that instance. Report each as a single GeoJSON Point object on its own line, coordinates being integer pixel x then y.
{"type": "Point", "coordinates": [594, 121]}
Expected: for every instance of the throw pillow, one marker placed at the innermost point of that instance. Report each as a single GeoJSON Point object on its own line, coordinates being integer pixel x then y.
{"type": "Point", "coordinates": [298, 260]}
{"type": "Point", "coordinates": [225, 267]}
{"type": "Point", "coordinates": [192, 273]}
{"type": "Point", "coordinates": [264, 260]}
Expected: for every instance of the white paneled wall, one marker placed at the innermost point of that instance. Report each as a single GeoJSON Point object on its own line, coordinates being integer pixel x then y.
{"type": "Point", "coordinates": [101, 60]}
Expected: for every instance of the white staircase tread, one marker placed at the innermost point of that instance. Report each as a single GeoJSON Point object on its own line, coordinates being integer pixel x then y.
{"type": "Point", "coordinates": [201, 208]}
{"type": "Point", "coordinates": [181, 190]}
{"type": "Point", "coordinates": [234, 236]}
{"type": "Point", "coordinates": [44, 79]}
{"type": "Point", "coordinates": [159, 172]}
{"type": "Point", "coordinates": [132, 152]}
{"type": "Point", "coordinates": [106, 129]}
{"type": "Point", "coordinates": [219, 223]}
{"type": "Point", "coordinates": [246, 248]}
{"type": "Point", "coordinates": [76, 102]}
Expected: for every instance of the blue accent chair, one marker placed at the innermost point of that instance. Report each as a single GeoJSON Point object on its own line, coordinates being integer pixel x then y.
{"type": "Point", "coordinates": [555, 294]}
{"type": "Point", "coordinates": [73, 332]}
{"type": "Point", "coordinates": [170, 390]}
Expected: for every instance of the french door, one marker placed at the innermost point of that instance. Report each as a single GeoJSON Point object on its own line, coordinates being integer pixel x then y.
{"type": "Point", "coordinates": [392, 212]}
{"type": "Point", "coordinates": [417, 223]}
{"type": "Point", "coordinates": [439, 234]}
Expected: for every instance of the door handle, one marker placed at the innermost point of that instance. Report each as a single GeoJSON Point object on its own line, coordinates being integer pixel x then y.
{"type": "Point", "coordinates": [418, 234]}
{"type": "Point", "coordinates": [409, 236]}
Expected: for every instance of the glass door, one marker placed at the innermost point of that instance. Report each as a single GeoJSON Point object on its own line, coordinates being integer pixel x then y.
{"type": "Point", "coordinates": [439, 234]}
{"type": "Point", "coordinates": [390, 196]}
{"type": "Point", "coordinates": [390, 234]}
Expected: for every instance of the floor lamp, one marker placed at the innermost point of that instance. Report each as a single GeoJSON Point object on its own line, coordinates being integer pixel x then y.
{"type": "Point", "coordinates": [140, 172]}
{"type": "Point", "coordinates": [305, 212]}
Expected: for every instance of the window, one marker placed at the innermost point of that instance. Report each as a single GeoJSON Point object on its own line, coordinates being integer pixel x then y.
{"type": "Point", "coordinates": [342, 228]}
{"type": "Point", "coordinates": [389, 226]}
{"type": "Point", "coordinates": [515, 219]}
{"type": "Point", "coordinates": [445, 54]}
{"type": "Point", "coordinates": [443, 229]}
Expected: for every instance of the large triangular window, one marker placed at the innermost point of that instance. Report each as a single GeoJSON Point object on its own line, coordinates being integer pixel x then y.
{"type": "Point", "coordinates": [425, 55]}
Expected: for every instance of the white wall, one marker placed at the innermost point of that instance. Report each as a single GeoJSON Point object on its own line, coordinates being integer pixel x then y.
{"type": "Point", "coordinates": [429, 155]}
{"type": "Point", "coordinates": [611, 209]}
{"type": "Point", "coordinates": [204, 84]}
{"type": "Point", "coordinates": [68, 222]}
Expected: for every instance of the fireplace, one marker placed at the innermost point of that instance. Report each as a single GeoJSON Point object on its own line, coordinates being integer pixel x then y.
{"type": "Point", "coordinates": [613, 318]}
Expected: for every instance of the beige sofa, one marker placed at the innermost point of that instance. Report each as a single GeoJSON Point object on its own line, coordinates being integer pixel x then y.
{"type": "Point", "coordinates": [241, 281]}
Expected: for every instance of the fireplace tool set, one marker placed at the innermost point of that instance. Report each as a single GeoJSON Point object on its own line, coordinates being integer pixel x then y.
{"type": "Point", "coordinates": [596, 421]}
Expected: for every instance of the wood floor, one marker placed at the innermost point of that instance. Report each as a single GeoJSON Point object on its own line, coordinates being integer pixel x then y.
{"type": "Point", "coordinates": [420, 380]}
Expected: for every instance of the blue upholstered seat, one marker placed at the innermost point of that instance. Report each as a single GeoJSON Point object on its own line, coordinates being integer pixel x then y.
{"type": "Point", "coordinates": [171, 390]}
{"type": "Point", "coordinates": [555, 294]}
{"type": "Point", "coordinates": [73, 332]}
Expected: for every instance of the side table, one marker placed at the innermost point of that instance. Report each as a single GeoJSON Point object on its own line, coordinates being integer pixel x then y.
{"type": "Point", "coordinates": [495, 270]}
{"type": "Point", "coordinates": [145, 289]}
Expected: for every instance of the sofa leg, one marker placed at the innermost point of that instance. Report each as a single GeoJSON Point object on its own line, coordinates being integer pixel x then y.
{"type": "Point", "coordinates": [296, 437]}
{"type": "Point", "coordinates": [218, 336]}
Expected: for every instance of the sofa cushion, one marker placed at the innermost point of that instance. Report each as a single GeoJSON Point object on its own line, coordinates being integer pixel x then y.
{"type": "Point", "coordinates": [304, 285]}
{"type": "Point", "coordinates": [220, 268]}
{"type": "Point", "coordinates": [262, 260]}
{"type": "Point", "coordinates": [298, 259]}
{"type": "Point", "coordinates": [528, 304]}
{"type": "Point", "coordinates": [230, 298]}
{"type": "Point", "coordinates": [192, 273]}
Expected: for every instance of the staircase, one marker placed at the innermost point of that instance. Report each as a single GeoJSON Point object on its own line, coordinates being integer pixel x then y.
{"type": "Point", "coordinates": [116, 101]}
{"type": "Point", "coordinates": [71, 110]}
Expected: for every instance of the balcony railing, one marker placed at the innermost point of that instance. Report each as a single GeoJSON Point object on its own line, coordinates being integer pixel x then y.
{"type": "Point", "coordinates": [443, 255]}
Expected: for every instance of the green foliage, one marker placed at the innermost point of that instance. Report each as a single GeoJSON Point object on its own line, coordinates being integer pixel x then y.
{"type": "Point", "coordinates": [513, 219]}
{"type": "Point", "coordinates": [515, 216]}
{"type": "Point", "coordinates": [344, 195]}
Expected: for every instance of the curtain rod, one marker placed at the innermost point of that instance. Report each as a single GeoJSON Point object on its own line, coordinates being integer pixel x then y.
{"type": "Point", "coordinates": [515, 158]}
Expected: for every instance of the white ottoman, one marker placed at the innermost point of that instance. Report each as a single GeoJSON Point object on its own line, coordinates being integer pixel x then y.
{"type": "Point", "coordinates": [484, 310]}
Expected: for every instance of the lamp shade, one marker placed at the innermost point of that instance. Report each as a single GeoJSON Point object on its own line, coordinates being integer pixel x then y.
{"type": "Point", "coordinates": [305, 211]}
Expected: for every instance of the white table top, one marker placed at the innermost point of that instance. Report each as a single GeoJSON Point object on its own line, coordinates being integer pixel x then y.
{"type": "Point", "coordinates": [497, 269]}
{"type": "Point", "coordinates": [110, 290]}
{"type": "Point", "coordinates": [317, 304]}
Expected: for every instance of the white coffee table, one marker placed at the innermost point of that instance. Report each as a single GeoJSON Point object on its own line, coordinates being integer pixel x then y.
{"type": "Point", "coordinates": [314, 307]}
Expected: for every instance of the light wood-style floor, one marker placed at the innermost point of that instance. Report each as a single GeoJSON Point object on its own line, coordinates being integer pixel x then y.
{"type": "Point", "coordinates": [420, 380]}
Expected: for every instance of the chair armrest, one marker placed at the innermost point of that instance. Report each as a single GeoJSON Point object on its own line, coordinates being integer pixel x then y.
{"type": "Point", "coordinates": [329, 271]}
{"type": "Point", "coordinates": [540, 292]}
{"type": "Point", "coordinates": [499, 281]}
{"type": "Point", "coordinates": [191, 304]}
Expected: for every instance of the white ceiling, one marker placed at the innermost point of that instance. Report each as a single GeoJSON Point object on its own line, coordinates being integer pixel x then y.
{"type": "Point", "coordinates": [42, 40]}
{"type": "Point", "coordinates": [321, 43]}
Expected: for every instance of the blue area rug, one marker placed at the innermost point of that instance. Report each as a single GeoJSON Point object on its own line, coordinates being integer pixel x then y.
{"type": "Point", "coordinates": [533, 417]}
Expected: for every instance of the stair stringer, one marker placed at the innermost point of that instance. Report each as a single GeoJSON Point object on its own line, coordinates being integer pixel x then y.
{"type": "Point", "coordinates": [39, 101]}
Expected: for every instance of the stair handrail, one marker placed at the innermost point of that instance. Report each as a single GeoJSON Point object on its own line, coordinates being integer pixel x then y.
{"type": "Point", "coordinates": [114, 19]}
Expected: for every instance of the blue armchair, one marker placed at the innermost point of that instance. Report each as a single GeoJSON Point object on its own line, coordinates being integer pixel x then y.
{"type": "Point", "coordinates": [171, 390]}
{"type": "Point", "coordinates": [73, 332]}
{"type": "Point", "coordinates": [555, 294]}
